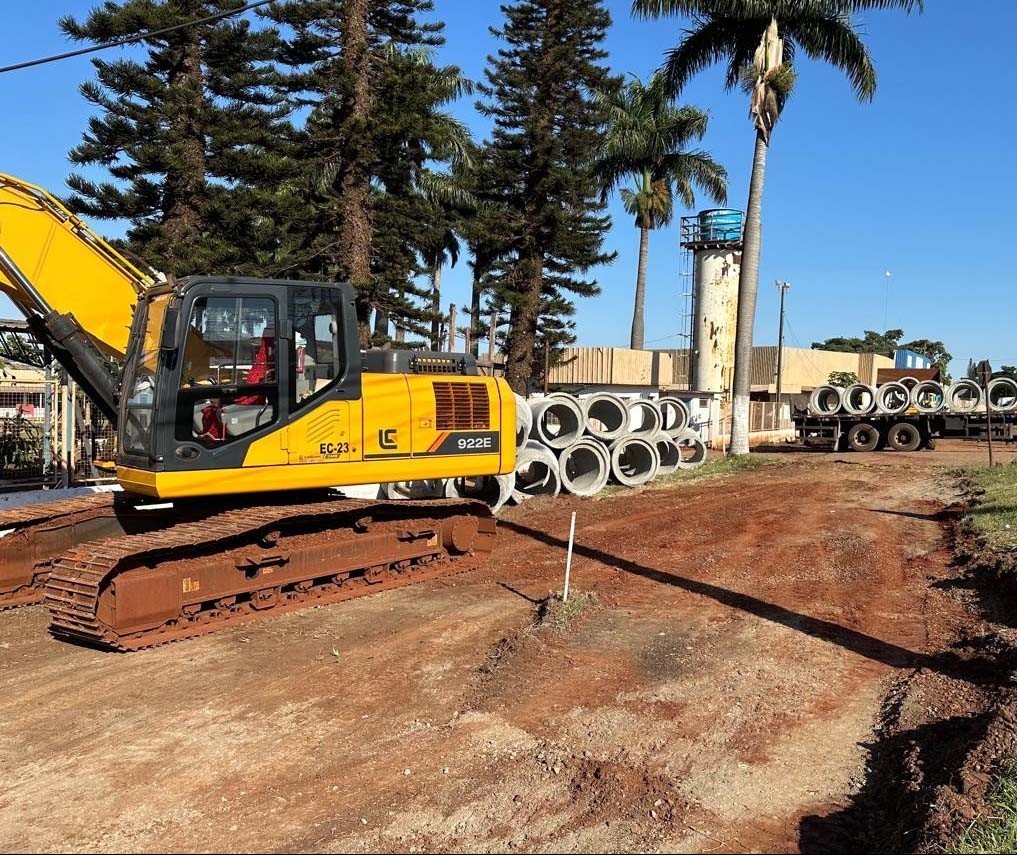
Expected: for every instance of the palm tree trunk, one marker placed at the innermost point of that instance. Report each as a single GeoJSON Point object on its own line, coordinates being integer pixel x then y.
{"type": "Point", "coordinates": [748, 287]}
{"type": "Point", "coordinates": [436, 306]}
{"type": "Point", "coordinates": [636, 342]}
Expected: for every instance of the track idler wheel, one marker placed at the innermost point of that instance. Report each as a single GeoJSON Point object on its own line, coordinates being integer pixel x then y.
{"type": "Point", "coordinates": [459, 535]}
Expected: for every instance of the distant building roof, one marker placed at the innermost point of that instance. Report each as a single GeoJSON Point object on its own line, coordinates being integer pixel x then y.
{"type": "Point", "coordinates": [889, 375]}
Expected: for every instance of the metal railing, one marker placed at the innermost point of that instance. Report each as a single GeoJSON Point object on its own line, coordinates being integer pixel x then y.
{"type": "Point", "coordinates": [695, 230]}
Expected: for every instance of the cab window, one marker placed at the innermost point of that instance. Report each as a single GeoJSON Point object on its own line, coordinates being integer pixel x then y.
{"type": "Point", "coordinates": [229, 370]}
{"type": "Point", "coordinates": [318, 357]}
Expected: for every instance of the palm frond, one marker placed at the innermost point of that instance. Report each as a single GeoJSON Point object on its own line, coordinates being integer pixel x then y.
{"type": "Point", "coordinates": [833, 38]}
{"type": "Point", "coordinates": [696, 169]}
{"type": "Point", "coordinates": [907, 6]}
{"type": "Point", "coordinates": [714, 40]}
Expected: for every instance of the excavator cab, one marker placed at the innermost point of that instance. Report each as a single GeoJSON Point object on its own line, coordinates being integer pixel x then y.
{"type": "Point", "coordinates": [217, 365]}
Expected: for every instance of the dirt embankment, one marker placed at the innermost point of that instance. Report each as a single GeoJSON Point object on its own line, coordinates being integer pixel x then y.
{"type": "Point", "coordinates": [944, 731]}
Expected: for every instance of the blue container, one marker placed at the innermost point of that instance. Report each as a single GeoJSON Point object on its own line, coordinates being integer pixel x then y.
{"type": "Point", "coordinates": [720, 224]}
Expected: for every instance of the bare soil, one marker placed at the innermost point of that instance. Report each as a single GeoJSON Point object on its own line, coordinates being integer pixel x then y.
{"type": "Point", "coordinates": [759, 651]}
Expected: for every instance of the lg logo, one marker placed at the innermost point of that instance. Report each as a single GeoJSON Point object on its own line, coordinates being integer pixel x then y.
{"type": "Point", "coordinates": [388, 438]}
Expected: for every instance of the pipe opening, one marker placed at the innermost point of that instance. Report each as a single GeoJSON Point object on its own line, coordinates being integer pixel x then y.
{"type": "Point", "coordinates": [674, 415]}
{"type": "Point", "coordinates": [583, 470]}
{"type": "Point", "coordinates": [606, 416]}
{"type": "Point", "coordinates": [644, 417]}
{"type": "Point", "coordinates": [669, 453]}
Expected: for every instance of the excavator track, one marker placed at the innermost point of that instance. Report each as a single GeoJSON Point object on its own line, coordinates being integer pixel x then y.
{"type": "Point", "coordinates": [35, 534]}
{"type": "Point", "coordinates": [140, 590]}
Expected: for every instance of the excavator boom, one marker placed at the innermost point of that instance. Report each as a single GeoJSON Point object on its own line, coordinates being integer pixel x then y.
{"type": "Point", "coordinates": [76, 291]}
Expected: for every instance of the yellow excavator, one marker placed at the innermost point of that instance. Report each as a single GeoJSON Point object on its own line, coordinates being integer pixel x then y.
{"type": "Point", "coordinates": [242, 406]}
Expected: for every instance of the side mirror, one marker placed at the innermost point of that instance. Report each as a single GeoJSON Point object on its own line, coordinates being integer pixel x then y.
{"type": "Point", "coordinates": [170, 322]}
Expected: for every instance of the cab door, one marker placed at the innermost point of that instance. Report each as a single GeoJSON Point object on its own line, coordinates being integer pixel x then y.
{"type": "Point", "coordinates": [319, 429]}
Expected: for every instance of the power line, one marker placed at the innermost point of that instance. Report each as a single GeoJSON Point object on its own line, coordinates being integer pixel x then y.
{"type": "Point", "coordinates": [129, 39]}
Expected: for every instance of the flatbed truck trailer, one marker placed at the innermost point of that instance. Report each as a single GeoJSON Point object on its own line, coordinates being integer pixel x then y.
{"type": "Point", "coordinates": [909, 431]}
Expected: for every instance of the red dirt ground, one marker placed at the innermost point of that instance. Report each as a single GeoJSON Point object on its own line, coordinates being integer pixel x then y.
{"type": "Point", "coordinates": [722, 688]}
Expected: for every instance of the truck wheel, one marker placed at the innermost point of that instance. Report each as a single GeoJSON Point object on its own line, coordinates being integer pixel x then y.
{"type": "Point", "coordinates": [904, 436]}
{"type": "Point", "coordinates": [863, 437]}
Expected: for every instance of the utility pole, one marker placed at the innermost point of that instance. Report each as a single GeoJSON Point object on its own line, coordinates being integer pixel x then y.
{"type": "Point", "coordinates": [985, 377]}
{"type": "Point", "coordinates": [783, 287]}
{"type": "Point", "coordinates": [452, 327]}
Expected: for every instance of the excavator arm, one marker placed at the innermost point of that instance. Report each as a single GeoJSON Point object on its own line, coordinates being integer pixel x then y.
{"type": "Point", "coordinates": [75, 290]}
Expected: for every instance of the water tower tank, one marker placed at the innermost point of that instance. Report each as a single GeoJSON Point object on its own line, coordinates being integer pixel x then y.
{"type": "Point", "coordinates": [720, 224]}
{"type": "Point", "coordinates": [716, 244]}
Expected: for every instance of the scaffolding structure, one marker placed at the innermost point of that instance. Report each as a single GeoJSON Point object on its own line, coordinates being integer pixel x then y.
{"type": "Point", "coordinates": [51, 435]}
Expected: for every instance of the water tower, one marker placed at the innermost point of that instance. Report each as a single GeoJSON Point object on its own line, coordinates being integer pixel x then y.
{"type": "Point", "coordinates": [714, 239]}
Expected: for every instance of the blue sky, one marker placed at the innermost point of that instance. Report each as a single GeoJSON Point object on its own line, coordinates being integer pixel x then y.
{"type": "Point", "coordinates": [921, 182]}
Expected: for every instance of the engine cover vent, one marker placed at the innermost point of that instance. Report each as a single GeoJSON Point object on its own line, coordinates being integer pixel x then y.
{"type": "Point", "coordinates": [462, 406]}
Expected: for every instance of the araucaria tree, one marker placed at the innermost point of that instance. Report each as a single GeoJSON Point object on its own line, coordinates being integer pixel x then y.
{"type": "Point", "coordinates": [540, 91]}
{"type": "Point", "coordinates": [648, 142]}
{"type": "Point", "coordinates": [190, 135]}
{"type": "Point", "coordinates": [363, 70]}
{"type": "Point", "coordinates": [758, 41]}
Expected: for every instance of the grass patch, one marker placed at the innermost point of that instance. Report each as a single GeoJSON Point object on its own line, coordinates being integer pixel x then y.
{"type": "Point", "coordinates": [998, 831]}
{"type": "Point", "coordinates": [716, 467]}
{"type": "Point", "coordinates": [559, 616]}
{"type": "Point", "coordinates": [724, 466]}
{"type": "Point", "coordinates": [995, 516]}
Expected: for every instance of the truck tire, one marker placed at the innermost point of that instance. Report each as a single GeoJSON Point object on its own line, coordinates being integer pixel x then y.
{"type": "Point", "coordinates": [904, 436]}
{"type": "Point", "coordinates": [863, 437]}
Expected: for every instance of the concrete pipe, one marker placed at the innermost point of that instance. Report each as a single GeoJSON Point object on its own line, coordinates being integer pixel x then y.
{"type": "Point", "coordinates": [493, 490]}
{"type": "Point", "coordinates": [645, 417]}
{"type": "Point", "coordinates": [634, 460]}
{"type": "Point", "coordinates": [826, 400]}
{"type": "Point", "coordinates": [859, 399]}
{"type": "Point", "coordinates": [893, 398]}
{"type": "Point", "coordinates": [558, 420]}
{"type": "Point", "coordinates": [536, 473]}
{"type": "Point", "coordinates": [964, 396]}
{"type": "Point", "coordinates": [427, 488]}
{"type": "Point", "coordinates": [692, 450]}
{"type": "Point", "coordinates": [1003, 394]}
{"type": "Point", "coordinates": [908, 383]}
{"type": "Point", "coordinates": [607, 417]}
{"type": "Point", "coordinates": [675, 416]}
{"type": "Point", "coordinates": [928, 397]}
{"type": "Point", "coordinates": [668, 452]}
{"type": "Point", "coordinates": [584, 467]}
{"type": "Point", "coordinates": [524, 420]}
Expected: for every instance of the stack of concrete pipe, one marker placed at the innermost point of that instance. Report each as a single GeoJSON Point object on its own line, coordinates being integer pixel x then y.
{"type": "Point", "coordinates": [926, 397]}
{"type": "Point", "coordinates": [601, 438]}
{"type": "Point", "coordinates": [578, 445]}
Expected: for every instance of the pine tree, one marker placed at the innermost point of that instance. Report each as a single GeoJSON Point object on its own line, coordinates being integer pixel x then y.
{"type": "Point", "coordinates": [365, 70]}
{"type": "Point", "coordinates": [191, 135]}
{"type": "Point", "coordinates": [548, 128]}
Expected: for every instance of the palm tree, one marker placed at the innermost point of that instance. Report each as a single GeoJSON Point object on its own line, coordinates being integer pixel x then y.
{"type": "Point", "coordinates": [758, 39]}
{"type": "Point", "coordinates": [646, 140]}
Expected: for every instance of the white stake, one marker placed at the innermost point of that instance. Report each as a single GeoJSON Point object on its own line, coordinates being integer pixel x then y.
{"type": "Point", "coordinates": [568, 560]}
